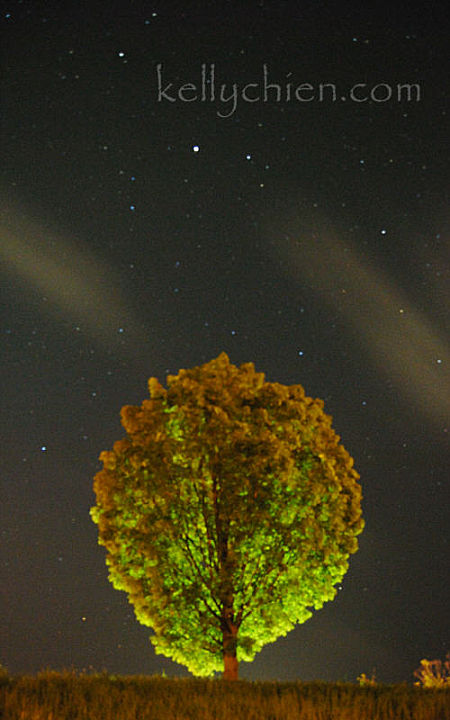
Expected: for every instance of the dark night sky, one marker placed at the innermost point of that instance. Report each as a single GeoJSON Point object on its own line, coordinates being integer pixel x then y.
{"type": "Point", "coordinates": [309, 237]}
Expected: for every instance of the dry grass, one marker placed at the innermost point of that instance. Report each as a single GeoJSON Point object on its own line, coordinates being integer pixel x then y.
{"type": "Point", "coordinates": [69, 696]}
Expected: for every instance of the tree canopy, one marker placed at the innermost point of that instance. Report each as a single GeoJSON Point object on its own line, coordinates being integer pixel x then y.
{"type": "Point", "coordinates": [228, 512]}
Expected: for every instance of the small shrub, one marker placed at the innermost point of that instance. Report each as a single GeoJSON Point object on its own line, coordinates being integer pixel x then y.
{"type": "Point", "coordinates": [433, 673]}
{"type": "Point", "coordinates": [364, 680]}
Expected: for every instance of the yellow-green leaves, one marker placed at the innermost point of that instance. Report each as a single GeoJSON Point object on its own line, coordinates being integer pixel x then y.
{"type": "Point", "coordinates": [226, 491]}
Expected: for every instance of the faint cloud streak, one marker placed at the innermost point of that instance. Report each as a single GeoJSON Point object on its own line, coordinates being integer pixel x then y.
{"type": "Point", "coordinates": [74, 281]}
{"type": "Point", "coordinates": [399, 339]}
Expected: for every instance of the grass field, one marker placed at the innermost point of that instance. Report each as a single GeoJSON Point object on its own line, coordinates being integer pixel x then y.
{"type": "Point", "coordinates": [70, 696]}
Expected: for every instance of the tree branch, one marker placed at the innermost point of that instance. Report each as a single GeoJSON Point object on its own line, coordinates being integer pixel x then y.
{"type": "Point", "coordinates": [185, 539]}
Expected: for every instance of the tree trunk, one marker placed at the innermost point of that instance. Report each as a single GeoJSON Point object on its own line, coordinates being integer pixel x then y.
{"type": "Point", "coordinates": [230, 667]}
{"type": "Point", "coordinates": [230, 661]}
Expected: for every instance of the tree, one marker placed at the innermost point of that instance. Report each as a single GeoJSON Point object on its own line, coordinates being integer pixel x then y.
{"type": "Point", "coordinates": [228, 512]}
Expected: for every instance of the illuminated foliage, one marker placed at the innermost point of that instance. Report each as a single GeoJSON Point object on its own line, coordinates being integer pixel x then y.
{"type": "Point", "coordinates": [364, 681]}
{"type": "Point", "coordinates": [434, 673]}
{"type": "Point", "coordinates": [228, 512]}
